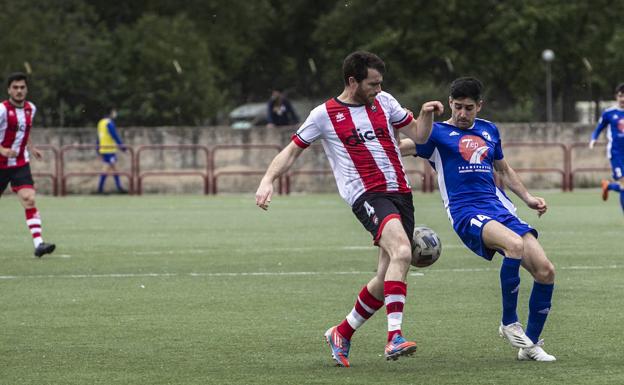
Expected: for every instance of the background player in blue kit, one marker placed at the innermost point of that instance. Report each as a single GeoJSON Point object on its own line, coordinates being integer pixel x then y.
{"type": "Point", "coordinates": [465, 151]}
{"type": "Point", "coordinates": [614, 118]}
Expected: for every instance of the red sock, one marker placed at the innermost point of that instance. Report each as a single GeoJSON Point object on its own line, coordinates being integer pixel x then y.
{"type": "Point", "coordinates": [34, 225]}
{"type": "Point", "coordinates": [365, 306]}
{"type": "Point", "coordinates": [394, 297]}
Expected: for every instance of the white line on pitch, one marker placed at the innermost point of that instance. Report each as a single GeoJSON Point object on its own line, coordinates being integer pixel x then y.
{"type": "Point", "coordinates": [267, 249]}
{"type": "Point", "coordinates": [278, 273]}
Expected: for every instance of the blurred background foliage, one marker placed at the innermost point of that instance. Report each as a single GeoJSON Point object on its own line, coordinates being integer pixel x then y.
{"type": "Point", "coordinates": [189, 62]}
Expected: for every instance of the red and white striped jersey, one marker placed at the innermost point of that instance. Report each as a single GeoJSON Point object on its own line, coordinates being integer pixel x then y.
{"type": "Point", "coordinates": [15, 124]}
{"type": "Point", "coordinates": [360, 144]}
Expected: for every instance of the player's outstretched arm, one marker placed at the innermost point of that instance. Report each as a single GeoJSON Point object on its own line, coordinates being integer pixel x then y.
{"type": "Point", "coordinates": [419, 130]}
{"type": "Point", "coordinates": [602, 123]}
{"type": "Point", "coordinates": [511, 180]}
{"type": "Point", "coordinates": [279, 165]}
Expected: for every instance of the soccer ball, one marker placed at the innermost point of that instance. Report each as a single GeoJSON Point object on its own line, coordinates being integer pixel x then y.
{"type": "Point", "coordinates": [426, 247]}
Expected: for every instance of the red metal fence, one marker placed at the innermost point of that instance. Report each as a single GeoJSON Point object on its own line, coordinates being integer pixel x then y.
{"type": "Point", "coordinates": [568, 167]}
{"type": "Point", "coordinates": [202, 173]}
{"type": "Point", "coordinates": [73, 148]}
{"type": "Point", "coordinates": [573, 170]}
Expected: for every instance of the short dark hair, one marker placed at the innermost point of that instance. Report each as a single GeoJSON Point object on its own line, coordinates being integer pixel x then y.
{"type": "Point", "coordinates": [466, 87]}
{"type": "Point", "coordinates": [619, 88]}
{"type": "Point", "coordinates": [357, 63]}
{"type": "Point", "coordinates": [16, 76]}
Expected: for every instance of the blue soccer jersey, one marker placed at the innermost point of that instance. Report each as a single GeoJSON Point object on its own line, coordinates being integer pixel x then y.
{"type": "Point", "coordinates": [614, 118]}
{"type": "Point", "coordinates": [463, 159]}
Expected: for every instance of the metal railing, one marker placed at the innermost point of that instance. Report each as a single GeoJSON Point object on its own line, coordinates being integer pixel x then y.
{"type": "Point", "coordinates": [568, 168]}
{"type": "Point", "coordinates": [204, 173]}
{"type": "Point", "coordinates": [64, 175]}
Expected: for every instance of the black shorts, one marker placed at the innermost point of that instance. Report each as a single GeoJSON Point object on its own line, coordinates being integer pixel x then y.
{"type": "Point", "coordinates": [20, 177]}
{"type": "Point", "coordinates": [374, 209]}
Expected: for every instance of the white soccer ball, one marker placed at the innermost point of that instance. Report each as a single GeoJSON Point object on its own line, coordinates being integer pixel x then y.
{"type": "Point", "coordinates": [426, 247]}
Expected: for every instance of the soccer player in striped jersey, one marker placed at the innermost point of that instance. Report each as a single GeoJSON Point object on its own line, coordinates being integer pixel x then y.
{"type": "Point", "coordinates": [465, 151]}
{"type": "Point", "coordinates": [357, 131]}
{"type": "Point", "coordinates": [614, 118]}
{"type": "Point", "coordinates": [16, 117]}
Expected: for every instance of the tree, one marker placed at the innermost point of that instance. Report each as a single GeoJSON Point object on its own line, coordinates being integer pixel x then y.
{"type": "Point", "coordinates": [166, 74]}
{"type": "Point", "coordinates": [62, 59]}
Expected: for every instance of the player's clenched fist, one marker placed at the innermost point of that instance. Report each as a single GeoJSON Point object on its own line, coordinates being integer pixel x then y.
{"type": "Point", "coordinates": [433, 106]}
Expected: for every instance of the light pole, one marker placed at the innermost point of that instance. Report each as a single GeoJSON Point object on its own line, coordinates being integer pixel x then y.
{"type": "Point", "coordinates": [589, 68]}
{"type": "Point", "coordinates": [548, 56]}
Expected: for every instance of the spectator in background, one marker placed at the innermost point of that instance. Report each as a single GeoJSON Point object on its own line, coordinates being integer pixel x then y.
{"type": "Point", "coordinates": [279, 110]}
{"type": "Point", "coordinates": [107, 143]}
{"type": "Point", "coordinates": [614, 118]}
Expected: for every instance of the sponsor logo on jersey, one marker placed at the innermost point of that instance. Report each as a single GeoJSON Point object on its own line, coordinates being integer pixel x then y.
{"type": "Point", "coordinates": [473, 149]}
{"type": "Point", "coordinates": [620, 125]}
{"type": "Point", "coordinates": [358, 136]}
{"type": "Point", "coordinates": [340, 117]}
{"type": "Point", "coordinates": [454, 133]}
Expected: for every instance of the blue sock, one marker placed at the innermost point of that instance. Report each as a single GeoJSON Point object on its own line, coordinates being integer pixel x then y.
{"type": "Point", "coordinates": [614, 187]}
{"type": "Point", "coordinates": [117, 182]}
{"type": "Point", "coordinates": [510, 285]}
{"type": "Point", "coordinates": [539, 307]}
{"type": "Point", "coordinates": [622, 199]}
{"type": "Point", "coordinates": [101, 185]}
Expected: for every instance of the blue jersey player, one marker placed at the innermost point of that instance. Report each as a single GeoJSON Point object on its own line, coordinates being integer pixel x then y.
{"type": "Point", "coordinates": [465, 151]}
{"type": "Point", "coordinates": [614, 118]}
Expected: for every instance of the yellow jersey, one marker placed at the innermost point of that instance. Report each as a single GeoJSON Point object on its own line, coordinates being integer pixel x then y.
{"type": "Point", "coordinates": [106, 141]}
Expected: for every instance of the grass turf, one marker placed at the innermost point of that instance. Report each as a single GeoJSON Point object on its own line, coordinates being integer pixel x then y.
{"type": "Point", "coordinates": [212, 290]}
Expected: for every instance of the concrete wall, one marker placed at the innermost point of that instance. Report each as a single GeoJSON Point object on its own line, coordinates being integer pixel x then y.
{"type": "Point", "coordinates": [227, 160]}
{"type": "Point", "coordinates": [556, 132]}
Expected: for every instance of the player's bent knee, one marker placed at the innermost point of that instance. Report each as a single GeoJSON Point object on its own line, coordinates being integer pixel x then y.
{"type": "Point", "coordinates": [28, 200]}
{"type": "Point", "coordinates": [545, 273]}
{"type": "Point", "coordinates": [402, 254]}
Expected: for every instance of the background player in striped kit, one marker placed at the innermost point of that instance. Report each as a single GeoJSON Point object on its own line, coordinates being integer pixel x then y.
{"type": "Point", "coordinates": [16, 116]}
{"type": "Point", "coordinates": [614, 118]}
{"type": "Point", "coordinates": [464, 151]}
{"type": "Point", "coordinates": [357, 130]}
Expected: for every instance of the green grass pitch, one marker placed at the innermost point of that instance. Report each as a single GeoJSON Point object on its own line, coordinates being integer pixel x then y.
{"type": "Point", "coordinates": [212, 290]}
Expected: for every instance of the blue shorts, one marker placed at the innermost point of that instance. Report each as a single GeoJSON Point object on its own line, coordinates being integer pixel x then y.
{"type": "Point", "coordinates": [468, 222]}
{"type": "Point", "coordinates": [109, 158]}
{"type": "Point", "coordinates": [617, 167]}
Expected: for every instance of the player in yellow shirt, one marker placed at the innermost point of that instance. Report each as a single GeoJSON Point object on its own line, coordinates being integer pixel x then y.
{"type": "Point", "coordinates": [108, 142]}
